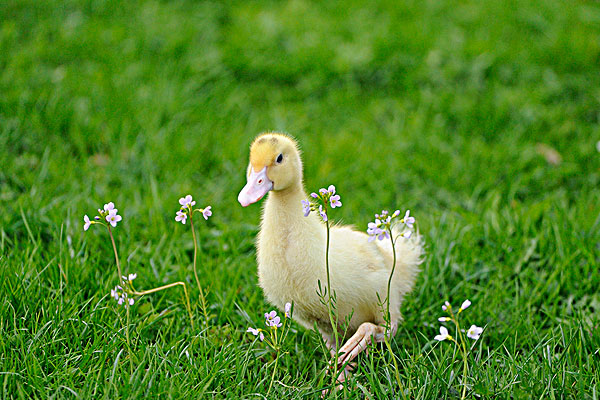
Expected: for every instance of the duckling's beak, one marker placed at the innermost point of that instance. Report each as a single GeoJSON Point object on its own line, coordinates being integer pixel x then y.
{"type": "Point", "coordinates": [258, 185]}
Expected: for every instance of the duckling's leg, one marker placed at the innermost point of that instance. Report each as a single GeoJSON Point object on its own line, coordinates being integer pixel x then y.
{"type": "Point", "coordinates": [362, 338]}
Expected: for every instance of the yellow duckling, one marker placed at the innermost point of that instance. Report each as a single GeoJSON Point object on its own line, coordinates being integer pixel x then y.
{"type": "Point", "coordinates": [291, 253]}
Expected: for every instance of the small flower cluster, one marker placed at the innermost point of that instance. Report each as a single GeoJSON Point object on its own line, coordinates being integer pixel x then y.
{"type": "Point", "coordinates": [122, 293]}
{"type": "Point", "coordinates": [319, 202]}
{"type": "Point", "coordinates": [272, 320]}
{"type": "Point", "coordinates": [186, 209]}
{"type": "Point", "coordinates": [382, 227]}
{"type": "Point", "coordinates": [472, 333]}
{"type": "Point", "coordinates": [108, 214]}
{"type": "Point", "coordinates": [275, 334]}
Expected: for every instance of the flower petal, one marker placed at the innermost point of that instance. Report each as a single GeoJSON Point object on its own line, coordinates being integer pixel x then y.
{"type": "Point", "coordinates": [474, 332]}
{"type": "Point", "coordinates": [443, 334]}
{"type": "Point", "coordinates": [288, 309]}
{"type": "Point", "coordinates": [465, 305]}
{"type": "Point", "coordinates": [446, 306]}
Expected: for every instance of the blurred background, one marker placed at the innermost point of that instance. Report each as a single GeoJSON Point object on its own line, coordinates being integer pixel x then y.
{"type": "Point", "coordinates": [481, 117]}
{"type": "Point", "coordinates": [428, 105]}
{"type": "Point", "coordinates": [443, 100]}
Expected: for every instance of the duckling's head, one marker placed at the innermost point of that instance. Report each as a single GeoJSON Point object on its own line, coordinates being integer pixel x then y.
{"type": "Point", "coordinates": [274, 165]}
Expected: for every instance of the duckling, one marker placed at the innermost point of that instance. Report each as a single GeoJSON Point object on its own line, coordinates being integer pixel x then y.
{"type": "Point", "coordinates": [291, 254]}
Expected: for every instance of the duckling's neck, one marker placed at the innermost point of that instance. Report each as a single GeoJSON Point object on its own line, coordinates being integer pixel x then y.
{"type": "Point", "coordinates": [283, 210]}
{"type": "Point", "coordinates": [291, 193]}
{"type": "Point", "coordinates": [287, 201]}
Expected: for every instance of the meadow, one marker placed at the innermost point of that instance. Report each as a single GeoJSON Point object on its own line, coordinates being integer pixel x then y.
{"type": "Point", "coordinates": [481, 117]}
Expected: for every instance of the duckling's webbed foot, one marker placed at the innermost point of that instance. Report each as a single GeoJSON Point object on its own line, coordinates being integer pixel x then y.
{"type": "Point", "coordinates": [365, 333]}
{"type": "Point", "coordinates": [358, 343]}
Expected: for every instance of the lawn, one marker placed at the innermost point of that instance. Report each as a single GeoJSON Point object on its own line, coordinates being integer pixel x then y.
{"type": "Point", "coordinates": [481, 117]}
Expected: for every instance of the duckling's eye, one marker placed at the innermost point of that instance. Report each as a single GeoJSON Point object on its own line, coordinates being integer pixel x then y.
{"type": "Point", "coordinates": [279, 159]}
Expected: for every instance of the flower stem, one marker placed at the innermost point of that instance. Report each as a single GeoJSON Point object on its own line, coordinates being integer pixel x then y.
{"type": "Point", "coordinates": [389, 285]}
{"type": "Point", "coordinates": [463, 349]}
{"type": "Point", "coordinates": [112, 239]}
{"type": "Point", "coordinates": [127, 329]}
{"type": "Point", "coordinates": [332, 318]}
{"type": "Point", "coordinates": [170, 285]}
{"type": "Point", "coordinates": [388, 318]}
{"type": "Point", "coordinates": [465, 372]}
{"type": "Point", "coordinates": [202, 298]}
{"type": "Point", "coordinates": [400, 386]}
{"type": "Point", "coordinates": [114, 246]}
{"type": "Point", "coordinates": [129, 342]}
{"type": "Point", "coordinates": [273, 374]}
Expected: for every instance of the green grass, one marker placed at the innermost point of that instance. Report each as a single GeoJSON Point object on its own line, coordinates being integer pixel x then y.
{"type": "Point", "coordinates": [434, 106]}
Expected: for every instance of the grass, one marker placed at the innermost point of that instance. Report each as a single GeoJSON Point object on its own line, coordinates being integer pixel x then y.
{"type": "Point", "coordinates": [435, 106]}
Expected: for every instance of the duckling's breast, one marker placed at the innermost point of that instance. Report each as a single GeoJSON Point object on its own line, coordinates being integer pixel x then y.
{"type": "Point", "coordinates": [290, 265]}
